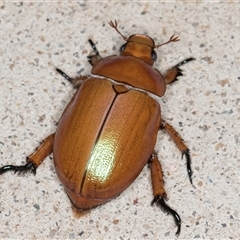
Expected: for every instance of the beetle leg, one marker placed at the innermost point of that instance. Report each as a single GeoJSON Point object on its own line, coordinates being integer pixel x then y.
{"type": "Point", "coordinates": [33, 160]}
{"type": "Point", "coordinates": [159, 191]}
{"type": "Point", "coordinates": [93, 59]}
{"type": "Point", "coordinates": [28, 167]}
{"type": "Point", "coordinates": [76, 82]}
{"type": "Point", "coordinates": [173, 73]}
{"type": "Point", "coordinates": [180, 144]}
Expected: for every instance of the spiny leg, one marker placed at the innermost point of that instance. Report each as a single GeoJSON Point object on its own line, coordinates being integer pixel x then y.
{"type": "Point", "coordinates": [93, 59]}
{"type": "Point", "coordinates": [173, 73]}
{"type": "Point", "coordinates": [33, 160]}
{"type": "Point", "coordinates": [76, 82]}
{"type": "Point", "coordinates": [28, 167]}
{"type": "Point", "coordinates": [180, 144]}
{"type": "Point", "coordinates": [159, 191]}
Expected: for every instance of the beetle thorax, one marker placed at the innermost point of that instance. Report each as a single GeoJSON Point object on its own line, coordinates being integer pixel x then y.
{"type": "Point", "coordinates": [139, 46]}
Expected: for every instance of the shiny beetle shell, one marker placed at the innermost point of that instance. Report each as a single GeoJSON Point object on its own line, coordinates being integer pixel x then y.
{"type": "Point", "coordinates": [104, 139]}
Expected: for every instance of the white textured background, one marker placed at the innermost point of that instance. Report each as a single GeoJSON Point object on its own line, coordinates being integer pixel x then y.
{"type": "Point", "coordinates": [204, 106]}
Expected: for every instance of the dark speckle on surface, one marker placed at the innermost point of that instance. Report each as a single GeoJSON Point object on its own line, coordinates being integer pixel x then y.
{"type": "Point", "coordinates": [81, 233]}
{"type": "Point", "coordinates": [36, 206]}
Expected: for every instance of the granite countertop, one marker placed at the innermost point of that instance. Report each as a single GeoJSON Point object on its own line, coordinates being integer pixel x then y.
{"type": "Point", "coordinates": [203, 106]}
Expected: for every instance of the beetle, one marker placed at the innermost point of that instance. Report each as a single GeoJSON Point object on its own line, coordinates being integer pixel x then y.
{"type": "Point", "coordinates": [107, 132]}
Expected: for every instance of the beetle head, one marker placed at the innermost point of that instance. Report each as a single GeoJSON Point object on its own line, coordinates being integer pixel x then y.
{"type": "Point", "coordinates": [140, 46]}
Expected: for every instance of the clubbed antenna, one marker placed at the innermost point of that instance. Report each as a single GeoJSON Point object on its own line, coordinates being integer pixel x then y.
{"type": "Point", "coordinates": [172, 39]}
{"type": "Point", "coordinates": [114, 25]}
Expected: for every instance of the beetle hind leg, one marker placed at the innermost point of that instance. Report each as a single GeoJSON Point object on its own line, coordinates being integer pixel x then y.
{"type": "Point", "coordinates": [28, 167]}
{"type": "Point", "coordinates": [159, 200]}
{"type": "Point", "coordinates": [33, 160]}
{"type": "Point", "coordinates": [173, 73]}
{"type": "Point", "coordinates": [159, 191]}
{"type": "Point", "coordinates": [180, 144]}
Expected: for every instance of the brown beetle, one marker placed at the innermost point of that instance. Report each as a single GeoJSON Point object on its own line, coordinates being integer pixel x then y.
{"type": "Point", "coordinates": [108, 131]}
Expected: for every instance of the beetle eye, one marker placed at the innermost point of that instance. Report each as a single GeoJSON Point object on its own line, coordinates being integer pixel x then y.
{"type": "Point", "coordinates": [122, 47]}
{"type": "Point", "coordinates": [154, 55]}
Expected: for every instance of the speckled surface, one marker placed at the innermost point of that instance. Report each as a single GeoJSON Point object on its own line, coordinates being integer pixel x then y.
{"type": "Point", "coordinates": [204, 106]}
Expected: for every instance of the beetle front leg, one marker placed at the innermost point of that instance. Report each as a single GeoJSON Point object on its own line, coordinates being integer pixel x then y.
{"type": "Point", "coordinates": [159, 191]}
{"type": "Point", "coordinates": [93, 59]}
{"type": "Point", "coordinates": [173, 73]}
{"type": "Point", "coordinates": [33, 160]}
{"type": "Point", "coordinates": [76, 82]}
{"type": "Point", "coordinates": [180, 144]}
